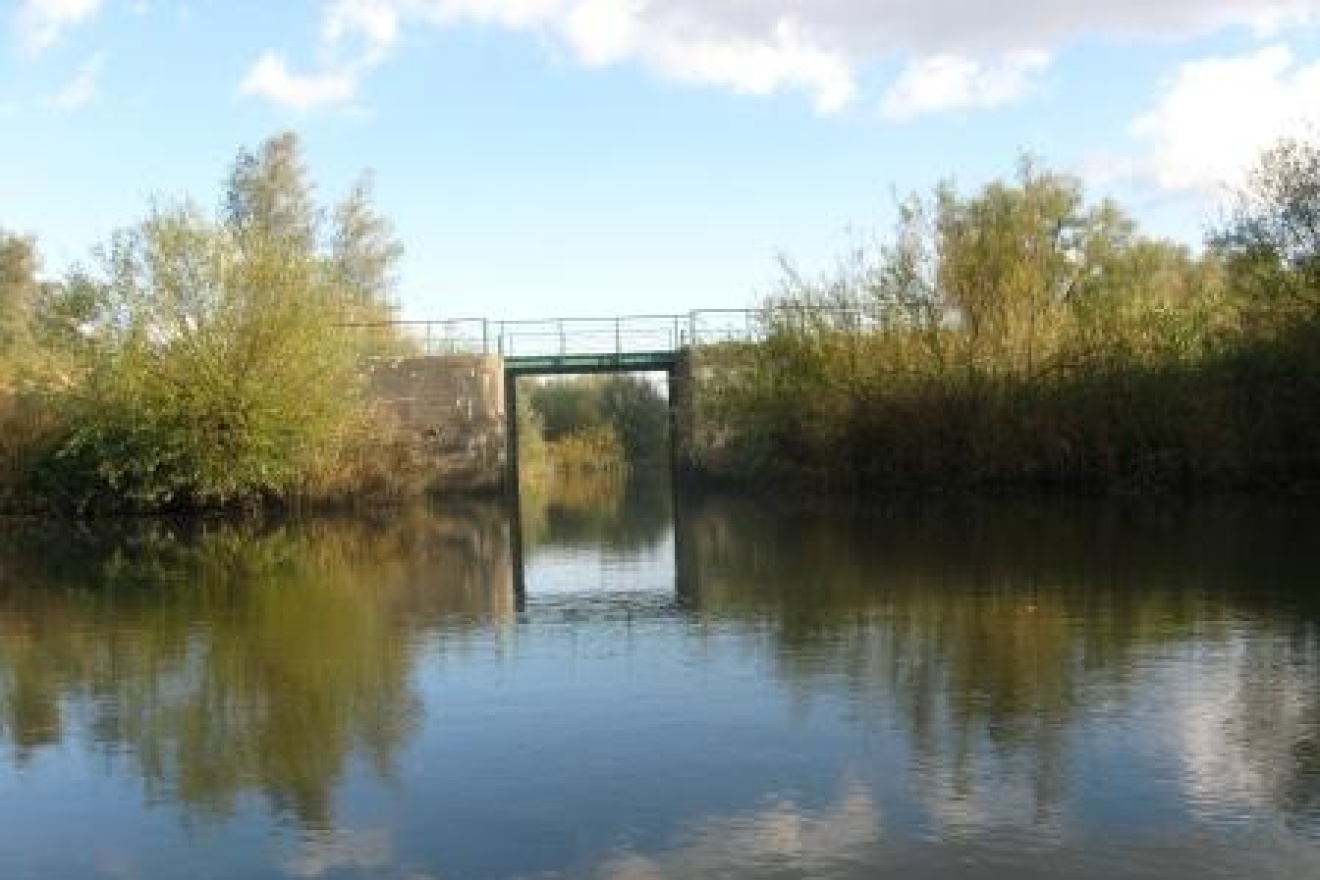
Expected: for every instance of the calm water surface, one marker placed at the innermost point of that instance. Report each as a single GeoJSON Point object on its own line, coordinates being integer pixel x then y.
{"type": "Point", "coordinates": [956, 692]}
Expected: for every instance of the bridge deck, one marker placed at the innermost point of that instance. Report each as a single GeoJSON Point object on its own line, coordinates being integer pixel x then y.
{"type": "Point", "coordinates": [612, 362]}
{"type": "Point", "coordinates": [570, 345]}
{"type": "Point", "coordinates": [626, 342]}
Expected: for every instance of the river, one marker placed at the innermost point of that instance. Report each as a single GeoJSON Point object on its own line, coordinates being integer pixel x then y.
{"type": "Point", "coordinates": [637, 689]}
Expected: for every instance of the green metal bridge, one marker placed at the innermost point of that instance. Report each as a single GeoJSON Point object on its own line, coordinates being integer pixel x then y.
{"type": "Point", "coordinates": [563, 346]}
{"type": "Point", "coordinates": [626, 343]}
{"type": "Point", "coordinates": [433, 363]}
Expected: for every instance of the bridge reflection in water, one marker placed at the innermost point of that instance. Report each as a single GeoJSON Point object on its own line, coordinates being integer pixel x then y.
{"type": "Point", "coordinates": [603, 538]}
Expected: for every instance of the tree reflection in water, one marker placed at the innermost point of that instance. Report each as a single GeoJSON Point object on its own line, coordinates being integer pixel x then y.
{"type": "Point", "coordinates": [227, 658]}
{"type": "Point", "coordinates": [606, 510]}
{"type": "Point", "coordinates": [1042, 678]}
{"type": "Point", "coordinates": [998, 631]}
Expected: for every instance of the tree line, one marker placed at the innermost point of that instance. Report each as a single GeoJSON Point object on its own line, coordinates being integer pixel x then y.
{"type": "Point", "coordinates": [1018, 337]}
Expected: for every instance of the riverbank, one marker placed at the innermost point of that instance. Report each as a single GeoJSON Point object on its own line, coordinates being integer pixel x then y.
{"type": "Point", "coordinates": [1242, 419]}
{"type": "Point", "coordinates": [1017, 339]}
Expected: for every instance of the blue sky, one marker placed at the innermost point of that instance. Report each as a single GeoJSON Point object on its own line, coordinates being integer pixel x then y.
{"type": "Point", "coordinates": [581, 157]}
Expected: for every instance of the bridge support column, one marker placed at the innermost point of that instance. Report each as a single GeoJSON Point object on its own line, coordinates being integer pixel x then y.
{"type": "Point", "coordinates": [511, 474]}
{"type": "Point", "coordinates": [511, 488]}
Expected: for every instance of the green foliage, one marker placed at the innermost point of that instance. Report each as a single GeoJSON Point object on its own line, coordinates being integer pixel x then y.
{"type": "Point", "coordinates": [18, 293]}
{"type": "Point", "coordinates": [1019, 338]}
{"type": "Point", "coordinates": [533, 455]}
{"type": "Point", "coordinates": [565, 406]}
{"type": "Point", "coordinates": [639, 414]}
{"type": "Point", "coordinates": [631, 407]}
{"type": "Point", "coordinates": [1271, 240]}
{"type": "Point", "coordinates": [1010, 259]}
{"type": "Point", "coordinates": [593, 450]}
{"type": "Point", "coordinates": [268, 201]}
{"type": "Point", "coordinates": [365, 254]}
{"type": "Point", "coordinates": [1014, 337]}
{"type": "Point", "coordinates": [65, 326]}
{"type": "Point", "coordinates": [206, 359]}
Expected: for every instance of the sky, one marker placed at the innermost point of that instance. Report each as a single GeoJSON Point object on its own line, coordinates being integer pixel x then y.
{"type": "Point", "coordinates": [600, 157]}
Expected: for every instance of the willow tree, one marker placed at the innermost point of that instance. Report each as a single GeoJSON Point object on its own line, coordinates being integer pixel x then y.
{"type": "Point", "coordinates": [364, 253]}
{"type": "Point", "coordinates": [1271, 238]}
{"type": "Point", "coordinates": [1010, 258]}
{"type": "Point", "coordinates": [224, 371]}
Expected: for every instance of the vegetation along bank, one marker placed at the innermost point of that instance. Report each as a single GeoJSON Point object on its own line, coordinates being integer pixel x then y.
{"type": "Point", "coordinates": [1016, 338]}
{"type": "Point", "coordinates": [1020, 339]}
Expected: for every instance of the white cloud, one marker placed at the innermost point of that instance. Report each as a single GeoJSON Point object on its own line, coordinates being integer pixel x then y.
{"type": "Point", "coordinates": [952, 82]}
{"type": "Point", "coordinates": [597, 33]}
{"type": "Point", "coordinates": [868, 27]}
{"type": "Point", "coordinates": [783, 63]}
{"type": "Point", "coordinates": [1272, 22]}
{"type": "Point", "coordinates": [974, 53]}
{"type": "Point", "coordinates": [327, 851]}
{"type": "Point", "coordinates": [810, 843]}
{"type": "Point", "coordinates": [41, 23]}
{"type": "Point", "coordinates": [602, 31]}
{"type": "Point", "coordinates": [271, 78]}
{"type": "Point", "coordinates": [375, 22]}
{"type": "Point", "coordinates": [1217, 115]}
{"type": "Point", "coordinates": [357, 35]}
{"type": "Point", "coordinates": [82, 89]}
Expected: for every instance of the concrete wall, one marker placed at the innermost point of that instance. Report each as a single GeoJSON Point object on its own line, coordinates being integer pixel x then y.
{"type": "Point", "coordinates": [452, 407]}
{"type": "Point", "coordinates": [701, 430]}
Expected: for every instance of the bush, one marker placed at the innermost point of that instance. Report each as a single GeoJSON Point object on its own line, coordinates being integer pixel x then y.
{"type": "Point", "coordinates": [213, 364]}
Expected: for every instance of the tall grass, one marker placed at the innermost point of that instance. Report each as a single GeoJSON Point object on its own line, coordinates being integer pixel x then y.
{"type": "Point", "coordinates": [1012, 340]}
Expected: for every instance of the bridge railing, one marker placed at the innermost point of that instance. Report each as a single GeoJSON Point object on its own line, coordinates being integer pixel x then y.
{"type": "Point", "coordinates": [558, 337]}
{"type": "Point", "coordinates": [622, 335]}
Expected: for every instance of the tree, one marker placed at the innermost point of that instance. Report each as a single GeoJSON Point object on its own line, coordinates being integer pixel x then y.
{"type": "Point", "coordinates": [1271, 238]}
{"type": "Point", "coordinates": [18, 294]}
{"type": "Point", "coordinates": [365, 254]}
{"type": "Point", "coordinates": [223, 370]}
{"type": "Point", "coordinates": [270, 205]}
{"type": "Point", "coordinates": [567, 406]}
{"type": "Point", "coordinates": [269, 200]}
{"type": "Point", "coordinates": [639, 414]}
{"type": "Point", "coordinates": [631, 408]}
{"type": "Point", "coordinates": [68, 324]}
{"type": "Point", "coordinates": [1009, 260]}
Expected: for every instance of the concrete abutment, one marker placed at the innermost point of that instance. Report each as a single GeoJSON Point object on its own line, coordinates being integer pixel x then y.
{"type": "Point", "coordinates": [459, 413]}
